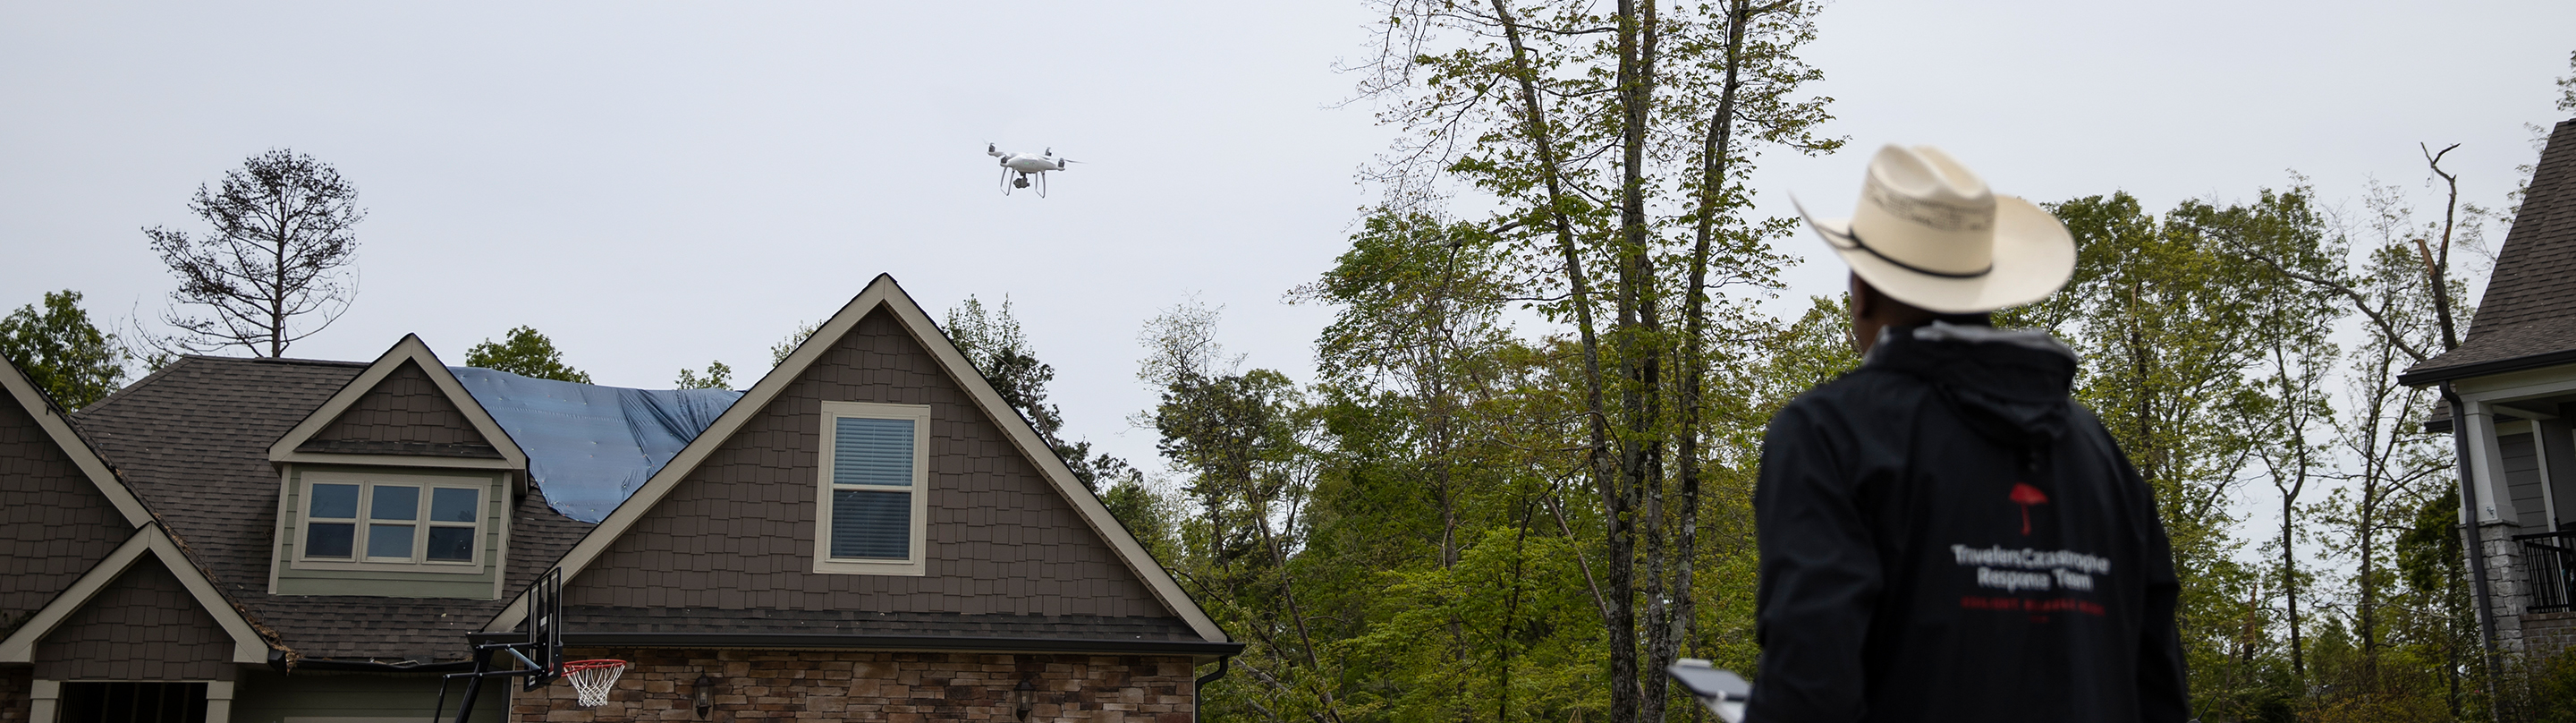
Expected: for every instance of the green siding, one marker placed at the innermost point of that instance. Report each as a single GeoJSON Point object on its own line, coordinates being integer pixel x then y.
{"type": "Point", "coordinates": [264, 696]}
{"type": "Point", "coordinates": [477, 585]}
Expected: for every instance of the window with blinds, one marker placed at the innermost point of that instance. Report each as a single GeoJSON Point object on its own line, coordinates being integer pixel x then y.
{"type": "Point", "coordinates": [873, 496]}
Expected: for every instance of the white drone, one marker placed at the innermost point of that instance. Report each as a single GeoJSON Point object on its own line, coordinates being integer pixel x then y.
{"type": "Point", "coordinates": [1025, 166]}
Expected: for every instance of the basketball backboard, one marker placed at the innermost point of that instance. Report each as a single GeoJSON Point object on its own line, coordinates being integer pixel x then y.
{"type": "Point", "coordinates": [545, 630]}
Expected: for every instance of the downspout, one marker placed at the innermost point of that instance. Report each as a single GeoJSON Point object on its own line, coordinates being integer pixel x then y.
{"type": "Point", "coordinates": [1202, 684]}
{"type": "Point", "coordinates": [2475, 550]}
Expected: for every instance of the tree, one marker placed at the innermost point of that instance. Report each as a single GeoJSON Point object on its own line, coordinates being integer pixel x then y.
{"type": "Point", "coordinates": [1611, 139]}
{"type": "Point", "coordinates": [778, 352]}
{"type": "Point", "coordinates": [718, 376]}
{"type": "Point", "coordinates": [996, 346]}
{"type": "Point", "coordinates": [2567, 86]}
{"type": "Point", "coordinates": [2287, 401]}
{"type": "Point", "coordinates": [2177, 337]}
{"type": "Point", "coordinates": [2409, 636]}
{"type": "Point", "coordinates": [62, 352]}
{"type": "Point", "coordinates": [1240, 443]}
{"type": "Point", "coordinates": [525, 352]}
{"type": "Point", "coordinates": [281, 248]}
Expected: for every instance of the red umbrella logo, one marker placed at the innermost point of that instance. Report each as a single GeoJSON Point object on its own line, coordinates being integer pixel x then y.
{"type": "Point", "coordinates": [2025, 495]}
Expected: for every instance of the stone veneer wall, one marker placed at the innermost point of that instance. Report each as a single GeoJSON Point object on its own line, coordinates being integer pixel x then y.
{"type": "Point", "coordinates": [2508, 590]}
{"type": "Point", "coordinates": [754, 685]}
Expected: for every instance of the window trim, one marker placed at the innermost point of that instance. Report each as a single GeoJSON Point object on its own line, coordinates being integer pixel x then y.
{"type": "Point", "coordinates": [420, 522]}
{"type": "Point", "coordinates": [832, 412]}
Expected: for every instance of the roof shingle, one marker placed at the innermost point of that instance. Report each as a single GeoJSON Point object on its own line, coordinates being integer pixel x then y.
{"type": "Point", "coordinates": [192, 441]}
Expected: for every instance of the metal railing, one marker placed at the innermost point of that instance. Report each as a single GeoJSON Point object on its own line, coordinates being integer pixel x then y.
{"type": "Point", "coordinates": [2551, 559]}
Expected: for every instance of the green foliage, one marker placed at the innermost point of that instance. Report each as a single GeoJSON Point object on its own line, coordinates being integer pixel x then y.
{"type": "Point", "coordinates": [2567, 86]}
{"type": "Point", "coordinates": [2208, 368]}
{"type": "Point", "coordinates": [1811, 351]}
{"type": "Point", "coordinates": [1613, 145]}
{"type": "Point", "coordinates": [994, 343]}
{"type": "Point", "coordinates": [525, 352]}
{"type": "Point", "coordinates": [2553, 688]}
{"type": "Point", "coordinates": [1412, 536]}
{"type": "Point", "coordinates": [62, 352]}
{"type": "Point", "coordinates": [1464, 520]}
{"type": "Point", "coordinates": [718, 376]}
{"type": "Point", "coordinates": [778, 352]}
{"type": "Point", "coordinates": [1148, 516]}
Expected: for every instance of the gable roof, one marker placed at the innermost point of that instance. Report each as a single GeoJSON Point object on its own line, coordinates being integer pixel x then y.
{"type": "Point", "coordinates": [2528, 317]}
{"type": "Point", "coordinates": [248, 645]}
{"type": "Point", "coordinates": [884, 293]}
{"type": "Point", "coordinates": [50, 417]}
{"type": "Point", "coordinates": [192, 441]}
{"type": "Point", "coordinates": [298, 444]}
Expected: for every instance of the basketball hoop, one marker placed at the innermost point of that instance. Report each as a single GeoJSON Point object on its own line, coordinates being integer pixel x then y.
{"type": "Point", "coordinates": [592, 678]}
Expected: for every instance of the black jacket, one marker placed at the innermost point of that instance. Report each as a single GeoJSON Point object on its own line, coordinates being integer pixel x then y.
{"type": "Point", "coordinates": [1947, 536]}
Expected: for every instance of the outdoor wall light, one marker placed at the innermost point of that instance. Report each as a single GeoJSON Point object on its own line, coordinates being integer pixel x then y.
{"type": "Point", "coordinates": [706, 694]}
{"type": "Point", "coordinates": [1027, 695]}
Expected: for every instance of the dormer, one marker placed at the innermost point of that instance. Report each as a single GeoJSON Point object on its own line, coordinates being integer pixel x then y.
{"type": "Point", "coordinates": [399, 485]}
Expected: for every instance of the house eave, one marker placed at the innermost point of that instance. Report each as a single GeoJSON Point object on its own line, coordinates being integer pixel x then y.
{"type": "Point", "coordinates": [2418, 378]}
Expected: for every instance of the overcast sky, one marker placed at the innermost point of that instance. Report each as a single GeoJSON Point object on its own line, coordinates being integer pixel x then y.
{"type": "Point", "coordinates": [660, 185]}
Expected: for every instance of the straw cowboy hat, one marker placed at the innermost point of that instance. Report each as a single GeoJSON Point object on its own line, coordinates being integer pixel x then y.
{"type": "Point", "coordinates": [1929, 233]}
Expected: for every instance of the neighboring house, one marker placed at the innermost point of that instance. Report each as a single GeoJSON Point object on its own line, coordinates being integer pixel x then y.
{"type": "Point", "coordinates": [867, 533]}
{"type": "Point", "coordinates": [2514, 379]}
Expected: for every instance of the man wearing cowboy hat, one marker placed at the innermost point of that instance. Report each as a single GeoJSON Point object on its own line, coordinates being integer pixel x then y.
{"type": "Point", "coordinates": [1946, 535]}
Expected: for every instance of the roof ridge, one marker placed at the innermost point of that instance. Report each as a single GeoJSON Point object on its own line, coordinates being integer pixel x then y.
{"type": "Point", "coordinates": [276, 360]}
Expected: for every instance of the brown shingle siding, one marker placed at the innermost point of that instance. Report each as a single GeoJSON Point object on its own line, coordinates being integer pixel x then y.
{"type": "Point", "coordinates": [405, 413]}
{"type": "Point", "coordinates": [54, 522]}
{"type": "Point", "coordinates": [743, 522]}
{"type": "Point", "coordinates": [143, 626]}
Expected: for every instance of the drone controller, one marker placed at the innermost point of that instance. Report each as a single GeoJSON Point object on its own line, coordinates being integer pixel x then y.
{"type": "Point", "coordinates": [1722, 691]}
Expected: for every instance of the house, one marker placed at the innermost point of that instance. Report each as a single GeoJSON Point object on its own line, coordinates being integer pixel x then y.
{"type": "Point", "coordinates": [2514, 381]}
{"type": "Point", "coordinates": [867, 533]}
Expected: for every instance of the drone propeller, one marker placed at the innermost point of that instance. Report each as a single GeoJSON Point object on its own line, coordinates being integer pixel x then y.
{"type": "Point", "coordinates": [994, 150]}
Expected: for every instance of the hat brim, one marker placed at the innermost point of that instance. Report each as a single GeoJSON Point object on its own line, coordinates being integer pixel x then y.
{"type": "Point", "coordinates": [2034, 256]}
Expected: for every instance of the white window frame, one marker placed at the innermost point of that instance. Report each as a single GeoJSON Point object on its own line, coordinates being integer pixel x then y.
{"type": "Point", "coordinates": [367, 483]}
{"type": "Point", "coordinates": [915, 566]}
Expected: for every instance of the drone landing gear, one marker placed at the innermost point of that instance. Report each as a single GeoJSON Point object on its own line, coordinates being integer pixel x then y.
{"type": "Point", "coordinates": [1022, 181]}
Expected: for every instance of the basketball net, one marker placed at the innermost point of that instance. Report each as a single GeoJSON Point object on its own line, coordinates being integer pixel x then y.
{"type": "Point", "coordinates": [591, 679]}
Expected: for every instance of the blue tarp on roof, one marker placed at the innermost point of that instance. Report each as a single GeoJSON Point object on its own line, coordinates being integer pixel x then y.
{"type": "Point", "coordinates": [591, 446]}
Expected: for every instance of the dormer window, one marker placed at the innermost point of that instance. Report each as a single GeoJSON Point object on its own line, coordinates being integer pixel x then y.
{"type": "Point", "coordinates": [399, 520]}
{"type": "Point", "coordinates": [875, 489]}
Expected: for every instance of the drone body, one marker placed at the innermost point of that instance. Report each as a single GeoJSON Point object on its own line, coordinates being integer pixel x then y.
{"type": "Point", "coordinates": [1018, 168]}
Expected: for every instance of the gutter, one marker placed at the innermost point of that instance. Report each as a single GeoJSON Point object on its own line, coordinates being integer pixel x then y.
{"type": "Point", "coordinates": [774, 641]}
{"type": "Point", "coordinates": [1203, 681]}
{"type": "Point", "coordinates": [278, 663]}
{"type": "Point", "coordinates": [2414, 378]}
{"type": "Point", "coordinates": [2475, 550]}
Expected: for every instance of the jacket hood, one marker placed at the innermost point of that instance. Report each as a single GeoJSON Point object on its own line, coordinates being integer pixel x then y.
{"type": "Point", "coordinates": [2012, 385]}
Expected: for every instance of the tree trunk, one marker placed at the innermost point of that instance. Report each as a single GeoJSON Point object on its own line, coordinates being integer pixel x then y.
{"type": "Point", "coordinates": [1599, 461]}
{"type": "Point", "coordinates": [1713, 165]}
{"type": "Point", "coordinates": [1640, 487]}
